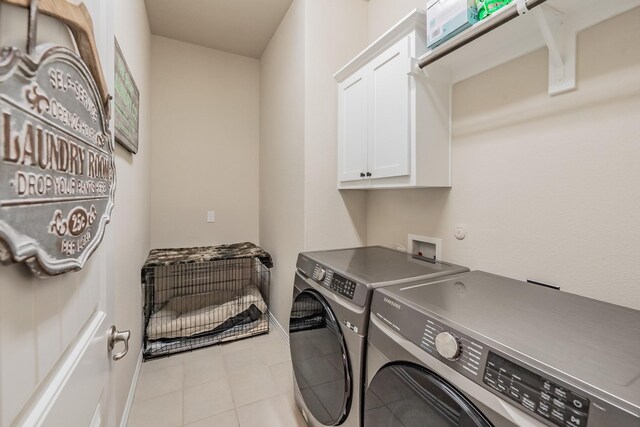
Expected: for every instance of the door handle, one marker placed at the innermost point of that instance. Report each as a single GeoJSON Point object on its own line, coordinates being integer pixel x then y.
{"type": "Point", "coordinates": [116, 336]}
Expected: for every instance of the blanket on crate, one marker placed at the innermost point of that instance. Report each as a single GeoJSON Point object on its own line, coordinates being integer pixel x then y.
{"type": "Point", "coordinates": [159, 257]}
{"type": "Point", "coordinates": [215, 311]}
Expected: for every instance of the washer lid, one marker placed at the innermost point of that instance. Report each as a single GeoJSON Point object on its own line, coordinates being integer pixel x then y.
{"type": "Point", "coordinates": [377, 265]}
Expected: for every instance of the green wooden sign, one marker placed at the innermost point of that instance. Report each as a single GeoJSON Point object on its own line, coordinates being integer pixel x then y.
{"type": "Point", "coordinates": [126, 105]}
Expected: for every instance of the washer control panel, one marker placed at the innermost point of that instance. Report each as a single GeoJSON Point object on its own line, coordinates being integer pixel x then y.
{"type": "Point", "coordinates": [343, 286]}
{"type": "Point", "coordinates": [334, 281]}
{"type": "Point", "coordinates": [535, 393]}
{"type": "Point", "coordinates": [340, 285]}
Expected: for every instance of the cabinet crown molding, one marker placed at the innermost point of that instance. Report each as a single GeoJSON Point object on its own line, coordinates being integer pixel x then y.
{"type": "Point", "coordinates": [414, 21]}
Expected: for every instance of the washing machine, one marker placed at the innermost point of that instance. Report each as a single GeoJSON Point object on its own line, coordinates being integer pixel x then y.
{"type": "Point", "coordinates": [329, 319]}
{"type": "Point", "coordinates": [478, 350]}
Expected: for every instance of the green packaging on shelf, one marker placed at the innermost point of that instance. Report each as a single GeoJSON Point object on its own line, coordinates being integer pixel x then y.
{"type": "Point", "coordinates": [446, 18]}
{"type": "Point", "coordinates": [487, 7]}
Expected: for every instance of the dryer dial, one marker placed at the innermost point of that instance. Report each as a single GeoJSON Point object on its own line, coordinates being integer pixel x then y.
{"type": "Point", "coordinates": [448, 346]}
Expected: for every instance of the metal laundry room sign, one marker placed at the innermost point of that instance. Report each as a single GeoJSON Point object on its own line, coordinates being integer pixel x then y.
{"type": "Point", "coordinates": [57, 172]}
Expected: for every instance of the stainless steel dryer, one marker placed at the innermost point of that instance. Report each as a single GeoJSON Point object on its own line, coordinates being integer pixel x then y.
{"type": "Point", "coordinates": [480, 350]}
{"type": "Point", "coordinates": [328, 324]}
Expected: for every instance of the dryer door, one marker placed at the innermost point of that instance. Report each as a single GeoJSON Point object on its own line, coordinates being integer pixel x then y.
{"type": "Point", "coordinates": [319, 357]}
{"type": "Point", "coordinates": [407, 395]}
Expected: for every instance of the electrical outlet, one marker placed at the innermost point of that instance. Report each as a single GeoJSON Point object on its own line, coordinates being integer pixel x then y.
{"type": "Point", "coordinates": [211, 216]}
{"type": "Point", "coordinates": [460, 232]}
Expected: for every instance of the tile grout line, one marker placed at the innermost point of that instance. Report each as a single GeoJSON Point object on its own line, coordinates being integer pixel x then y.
{"type": "Point", "coordinates": [264, 398]}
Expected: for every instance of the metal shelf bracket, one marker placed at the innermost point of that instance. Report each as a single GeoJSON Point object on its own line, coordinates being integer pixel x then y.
{"type": "Point", "coordinates": [415, 70]}
{"type": "Point", "coordinates": [522, 7]}
{"type": "Point", "coordinates": [561, 39]}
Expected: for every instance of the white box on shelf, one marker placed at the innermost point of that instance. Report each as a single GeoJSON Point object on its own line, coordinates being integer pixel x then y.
{"type": "Point", "coordinates": [446, 18]}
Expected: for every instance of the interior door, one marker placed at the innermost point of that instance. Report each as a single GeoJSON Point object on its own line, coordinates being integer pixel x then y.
{"type": "Point", "coordinates": [407, 395]}
{"type": "Point", "coordinates": [55, 365]}
{"type": "Point", "coordinates": [319, 358]}
{"type": "Point", "coordinates": [87, 395]}
{"type": "Point", "coordinates": [389, 87]}
{"type": "Point", "coordinates": [352, 116]}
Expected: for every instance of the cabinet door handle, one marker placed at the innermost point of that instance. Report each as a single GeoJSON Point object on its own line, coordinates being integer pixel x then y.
{"type": "Point", "coordinates": [361, 174]}
{"type": "Point", "coordinates": [368, 173]}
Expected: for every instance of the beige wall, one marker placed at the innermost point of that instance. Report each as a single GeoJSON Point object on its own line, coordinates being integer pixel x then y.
{"type": "Point", "coordinates": [546, 186]}
{"type": "Point", "coordinates": [384, 14]}
{"type": "Point", "coordinates": [131, 214]}
{"type": "Point", "coordinates": [333, 219]}
{"type": "Point", "coordinates": [205, 145]}
{"type": "Point", "coordinates": [282, 98]}
{"type": "Point", "coordinates": [300, 208]}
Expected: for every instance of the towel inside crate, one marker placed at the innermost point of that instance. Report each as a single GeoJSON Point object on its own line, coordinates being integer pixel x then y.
{"type": "Point", "coordinates": [214, 311]}
{"type": "Point", "coordinates": [164, 347]}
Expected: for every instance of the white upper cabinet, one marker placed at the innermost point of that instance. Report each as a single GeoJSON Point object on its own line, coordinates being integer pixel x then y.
{"type": "Point", "coordinates": [394, 121]}
{"type": "Point", "coordinates": [353, 127]}
{"type": "Point", "coordinates": [389, 118]}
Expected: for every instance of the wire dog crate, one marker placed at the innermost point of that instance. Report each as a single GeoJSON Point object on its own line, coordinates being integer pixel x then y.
{"type": "Point", "coordinates": [197, 297]}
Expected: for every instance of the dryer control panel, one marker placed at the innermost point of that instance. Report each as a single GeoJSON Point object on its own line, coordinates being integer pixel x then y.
{"type": "Point", "coordinates": [559, 405]}
{"type": "Point", "coordinates": [467, 355]}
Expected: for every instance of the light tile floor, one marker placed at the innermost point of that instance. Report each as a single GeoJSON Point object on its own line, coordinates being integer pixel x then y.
{"type": "Point", "coordinates": [245, 383]}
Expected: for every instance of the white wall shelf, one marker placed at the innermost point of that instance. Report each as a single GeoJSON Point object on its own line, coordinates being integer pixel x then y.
{"type": "Point", "coordinates": [521, 28]}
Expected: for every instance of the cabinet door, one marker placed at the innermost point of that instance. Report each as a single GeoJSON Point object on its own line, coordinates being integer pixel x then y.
{"type": "Point", "coordinates": [352, 125]}
{"type": "Point", "coordinates": [389, 88]}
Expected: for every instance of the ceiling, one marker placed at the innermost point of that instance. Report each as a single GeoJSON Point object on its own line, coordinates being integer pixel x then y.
{"type": "Point", "coordinates": [237, 26]}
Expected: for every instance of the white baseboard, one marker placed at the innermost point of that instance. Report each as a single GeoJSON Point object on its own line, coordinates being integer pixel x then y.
{"type": "Point", "coordinates": [132, 391]}
{"type": "Point", "coordinates": [278, 327]}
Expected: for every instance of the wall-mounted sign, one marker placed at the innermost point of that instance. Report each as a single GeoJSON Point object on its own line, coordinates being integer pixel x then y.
{"type": "Point", "coordinates": [57, 170]}
{"type": "Point", "coordinates": [126, 105]}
